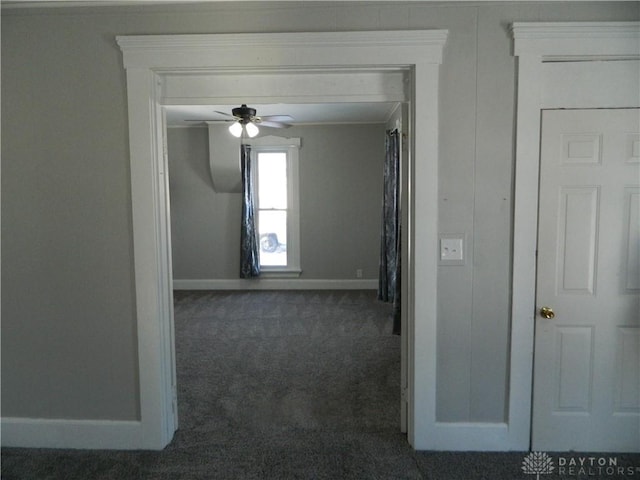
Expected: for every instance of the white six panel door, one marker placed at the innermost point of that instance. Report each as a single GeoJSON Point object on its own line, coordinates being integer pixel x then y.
{"type": "Point", "coordinates": [587, 357]}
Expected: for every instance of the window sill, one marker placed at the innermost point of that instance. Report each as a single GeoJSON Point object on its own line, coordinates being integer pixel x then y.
{"type": "Point", "coordinates": [267, 272]}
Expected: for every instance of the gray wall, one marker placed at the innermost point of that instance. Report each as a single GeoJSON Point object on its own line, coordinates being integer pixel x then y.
{"type": "Point", "coordinates": [340, 204]}
{"type": "Point", "coordinates": [68, 320]}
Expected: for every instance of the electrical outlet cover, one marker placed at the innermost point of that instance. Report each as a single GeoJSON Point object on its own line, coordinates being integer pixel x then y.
{"type": "Point", "coordinates": [452, 249]}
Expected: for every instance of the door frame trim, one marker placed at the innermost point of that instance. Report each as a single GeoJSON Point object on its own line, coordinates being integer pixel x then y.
{"type": "Point", "coordinates": [542, 49]}
{"type": "Point", "coordinates": [152, 61]}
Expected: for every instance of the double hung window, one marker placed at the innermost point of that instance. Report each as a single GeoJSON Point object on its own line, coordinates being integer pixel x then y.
{"type": "Point", "coordinates": [277, 204]}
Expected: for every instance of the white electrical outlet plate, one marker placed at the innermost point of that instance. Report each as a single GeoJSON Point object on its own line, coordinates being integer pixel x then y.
{"type": "Point", "coordinates": [452, 249]}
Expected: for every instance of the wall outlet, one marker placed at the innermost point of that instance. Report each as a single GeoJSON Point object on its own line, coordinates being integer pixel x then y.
{"type": "Point", "coordinates": [359, 273]}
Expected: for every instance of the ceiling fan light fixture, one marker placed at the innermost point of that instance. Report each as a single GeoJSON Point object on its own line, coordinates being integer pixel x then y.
{"type": "Point", "coordinates": [252, 130]}
{"type": "Point", "coordinates": [236, 129]}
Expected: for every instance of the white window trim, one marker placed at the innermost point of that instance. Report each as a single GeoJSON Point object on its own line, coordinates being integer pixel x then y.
{"type": "Point", "coordinates": [292, 145]}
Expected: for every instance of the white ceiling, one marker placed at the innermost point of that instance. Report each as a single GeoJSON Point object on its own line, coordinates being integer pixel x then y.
{"type": "Point", "coordinates": [303, 114]}
{"type": "Point", "coordinates": [10, 4]}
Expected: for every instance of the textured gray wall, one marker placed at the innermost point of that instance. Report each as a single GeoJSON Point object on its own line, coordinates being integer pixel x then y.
{"type": "Point", "coordinates": [340, 204]}
{"type": "Point", "coordinates": [68, 316]}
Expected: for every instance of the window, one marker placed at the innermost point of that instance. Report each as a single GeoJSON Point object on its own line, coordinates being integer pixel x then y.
{"type": "Point", "coordinates": [277, 199]}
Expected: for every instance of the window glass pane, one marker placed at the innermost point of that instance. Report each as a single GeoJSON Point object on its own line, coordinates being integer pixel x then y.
{"type": "Point", "coordinates": [273, 237]}
{"type": "Point", "coordinates": [272, 180]}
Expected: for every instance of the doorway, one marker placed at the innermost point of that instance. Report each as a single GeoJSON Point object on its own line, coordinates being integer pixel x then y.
{"type": "Point", "coordinates": [560, 66]}
{"type": "Point", "coordinates": [351, 66]}
{"type": "Point", "coordinates": [341, 175]}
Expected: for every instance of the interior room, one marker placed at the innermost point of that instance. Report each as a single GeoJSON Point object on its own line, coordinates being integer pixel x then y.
{"type": "Point", "coordinates": [340, 192]}
{"type": "Point", "coordinates": [122, 228]}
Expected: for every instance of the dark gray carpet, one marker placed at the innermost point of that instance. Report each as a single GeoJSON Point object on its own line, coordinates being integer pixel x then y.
{"type": "Point", "coordinates": [279, 385]}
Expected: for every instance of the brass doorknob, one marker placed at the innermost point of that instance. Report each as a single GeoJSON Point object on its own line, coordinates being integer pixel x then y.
{"type": "Point", "coordinates": [547, 312]}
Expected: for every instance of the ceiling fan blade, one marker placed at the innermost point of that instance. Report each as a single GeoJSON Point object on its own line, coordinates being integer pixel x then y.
{"type": "Point", "coordinates": [208, 120]}
{"type": "Point", "coordinates": [277, 118]}
{"type": "Point", "coordinates": [223, 113]}
{"type": "Point", "coordinates": [271, 124]}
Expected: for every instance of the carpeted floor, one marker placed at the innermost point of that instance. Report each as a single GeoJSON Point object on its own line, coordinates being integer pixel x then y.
{"type": "Point", "coordinates": [280, 385]}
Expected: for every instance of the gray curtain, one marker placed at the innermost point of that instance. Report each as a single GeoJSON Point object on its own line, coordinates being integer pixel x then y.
{"type": "Point", "coordinates": [249, 254]}
{"type": "Point", "coordinates": [389, 275]}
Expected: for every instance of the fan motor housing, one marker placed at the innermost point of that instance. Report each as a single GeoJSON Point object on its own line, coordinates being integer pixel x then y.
{"type": "Point", "coordinates": [244, 112]}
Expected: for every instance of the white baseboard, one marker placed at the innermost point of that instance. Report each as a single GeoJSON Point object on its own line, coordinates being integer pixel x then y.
{"type": "Point", "coordinates": [274, 284]}
{"type": "Point", "coordinates": [466, 437]}
{"type": "Point", "coordinates": [63, 433]}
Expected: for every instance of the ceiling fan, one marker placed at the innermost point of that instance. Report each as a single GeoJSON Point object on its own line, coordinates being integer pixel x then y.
{"type": "Point", "coordinates": [246, 120]}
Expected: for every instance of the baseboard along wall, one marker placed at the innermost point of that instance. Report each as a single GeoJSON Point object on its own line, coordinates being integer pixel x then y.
{"type": "Point", "coordinates": [74, 434]}
{"type": "Point", "coordinates": [274, 284]}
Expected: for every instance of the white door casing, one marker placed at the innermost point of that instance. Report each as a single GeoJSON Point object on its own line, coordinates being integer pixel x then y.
{"type": "Point", "coordinates": [206, 69]}
{"type": "Point", "coordinates": [169, 69]}
{"type": "Point", "coordinates": [560, 65]}
{"type": "Point", "coordinates": [587, 363]}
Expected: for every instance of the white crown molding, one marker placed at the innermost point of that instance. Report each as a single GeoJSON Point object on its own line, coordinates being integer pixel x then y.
{"type": "Point", "coordinates": [293, 50]}
{"type": "Point", "coordinates": [577, 39]}
{"type": "Point", "coordinates": [331, 39]}
{"type": "Point", "coordinates": [574, 29]}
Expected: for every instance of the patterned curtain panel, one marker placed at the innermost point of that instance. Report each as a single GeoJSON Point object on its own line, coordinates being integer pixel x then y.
{"type": "Point", "coordinates": [389, 276]}
{"type": "Point", "coordinates": [249, 254]}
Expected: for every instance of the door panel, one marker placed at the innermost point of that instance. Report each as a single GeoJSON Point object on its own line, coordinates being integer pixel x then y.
{"type": "Point", "coordinates": [627, 384]}
{"type": "Point", "coordinates": [587, 357]}
{"type": "Point", "coordinates": [578, 235]}
{"type": "Point", "coordinates": [574, 351]}
{"type": "Point", "coordinates": [631, 259]}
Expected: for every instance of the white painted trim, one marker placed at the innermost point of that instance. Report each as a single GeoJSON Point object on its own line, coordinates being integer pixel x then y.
{"type": "Point", "coordinates": [273, 141]}
{"type": "Point", "coordinates": [274, 284]}
{"type": "Point", "coordinates": [295, 51]}
{"type": "Point", "coordinates": [561, 41]}
{"type": "Point", "coordinates": [150, 60]}
{"type": "Point", "coordinates": [537, 45]}
{"type": "Point", "coordinates": [558, 88]}
{"type": "Point", "coordinates": [292, 146]}
{"type": "Point", "coordinates": [469, 436]}
{"type": "Point", "coordinates": [422, 234]}
{"type": "Point", "coordinates": [295, 85]}
{"type": "Point", "coordinates": [63, 433]}
{"type": "Point", "coordinates": [152, 260]}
